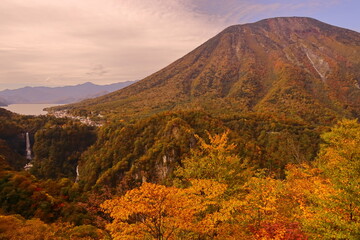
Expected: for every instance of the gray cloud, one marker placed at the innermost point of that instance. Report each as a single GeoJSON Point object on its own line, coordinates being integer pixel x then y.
{"type": "Point", "coordinates": [97, 70]}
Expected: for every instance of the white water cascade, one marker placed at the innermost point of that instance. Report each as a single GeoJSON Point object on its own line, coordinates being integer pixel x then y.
{"type": "Point", "coordinates": [28, 153]}
{"type": "Point", "coordinates": [77, 173]}
{"type": "Point", "coordinates": [28, 147]}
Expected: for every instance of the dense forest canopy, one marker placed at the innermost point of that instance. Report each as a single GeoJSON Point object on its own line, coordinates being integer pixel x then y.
{"type": "Point", "coordinates": [244, 176]}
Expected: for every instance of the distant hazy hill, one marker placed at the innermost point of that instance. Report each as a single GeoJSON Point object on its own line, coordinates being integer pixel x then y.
{"type": "Point", "coordinates": [298, 67]}
{"type": "Point", "coordinates": [3, 102]}
{"type": "Point", "coordinates": [67, 94]}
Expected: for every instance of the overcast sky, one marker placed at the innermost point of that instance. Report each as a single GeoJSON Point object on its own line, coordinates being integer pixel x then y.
{"type": "Point", "coordinates": [68, 42]}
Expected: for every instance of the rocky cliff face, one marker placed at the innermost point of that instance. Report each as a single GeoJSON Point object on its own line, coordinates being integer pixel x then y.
{"type": "Point", "coordinates": [299, 67]}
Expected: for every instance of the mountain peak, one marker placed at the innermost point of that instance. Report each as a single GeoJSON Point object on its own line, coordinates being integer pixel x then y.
{"type": "Point", "coordinates": [87, 84]}
{"type": "Point", "coordinates": [289, 20]}
{"type": "Point", "coordinates": [294, 66]}
{"type": "Point", "coordinates": [287, 25]}
{"type": "Point", "coordinates": [283, 21]}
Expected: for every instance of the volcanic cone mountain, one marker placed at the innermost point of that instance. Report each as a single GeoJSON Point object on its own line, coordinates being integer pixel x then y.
{"type": "Point", "coordinates": [292, 66]}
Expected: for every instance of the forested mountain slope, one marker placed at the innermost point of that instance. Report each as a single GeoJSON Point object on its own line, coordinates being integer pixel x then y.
{"type": "Point", "coordinates": [294, 66]}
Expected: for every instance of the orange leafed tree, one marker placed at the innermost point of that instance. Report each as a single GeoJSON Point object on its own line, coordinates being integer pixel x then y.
{"type": "Point", "coordinates": [151, 212]}
{"type": "Point", "coordinates": [15, 227]}
{"type": "Point", "coordinates": [157, 212]}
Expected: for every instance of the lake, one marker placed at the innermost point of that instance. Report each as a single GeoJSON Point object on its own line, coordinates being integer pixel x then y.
{"type": "Point", "coordinates": [29, 109]}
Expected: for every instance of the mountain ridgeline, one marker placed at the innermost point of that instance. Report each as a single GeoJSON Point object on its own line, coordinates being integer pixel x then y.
{"type": "Point", "coordinates": [58, 95]}
{"type": "Point", "coordinates": [297, 67]}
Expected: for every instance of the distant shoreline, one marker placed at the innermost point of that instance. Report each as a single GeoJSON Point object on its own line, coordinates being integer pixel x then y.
{"type": "Point", "coordinates": [34, 109]}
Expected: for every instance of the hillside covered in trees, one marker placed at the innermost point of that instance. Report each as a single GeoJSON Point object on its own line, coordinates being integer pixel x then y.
{"type": "Point", "coordinates": [213, 181]}
{"type": "Point", "coordinates": [292, 66]}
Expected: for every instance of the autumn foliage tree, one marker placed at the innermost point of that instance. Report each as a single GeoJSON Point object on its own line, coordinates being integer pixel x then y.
{"type": "Point", "coordinates": [327, 192]}
{"type": "Point", "coordinates": [15, 227]}
{"type": "Point", "coordinates": [158, 212]}
{"type": "Point", "coordinates": [149, 212]}
{"type": "Point", "coordinates": [215, 160]}
{"type": "Point", "coordinates": [339, 160]}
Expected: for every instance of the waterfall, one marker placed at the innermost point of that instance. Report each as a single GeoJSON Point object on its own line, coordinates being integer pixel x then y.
{"type": "Point", "coordinates": [28, 153]}
{"type": "Point", "coordinates": [77, 173]}
{"type": "Point", "coordinates": [28, 147]}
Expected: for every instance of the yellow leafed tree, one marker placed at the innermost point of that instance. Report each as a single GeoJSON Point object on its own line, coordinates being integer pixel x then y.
{"type": "Point", "coordinates": [157, 212]}
{"type": "Point", "coordinates": [215, 160]}
{"type": "Point", "coordinates": [151, 212]}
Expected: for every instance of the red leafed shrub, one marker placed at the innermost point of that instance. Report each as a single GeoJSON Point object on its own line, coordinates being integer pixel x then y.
{"type": "Point", "coordinates": [280, 230]}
